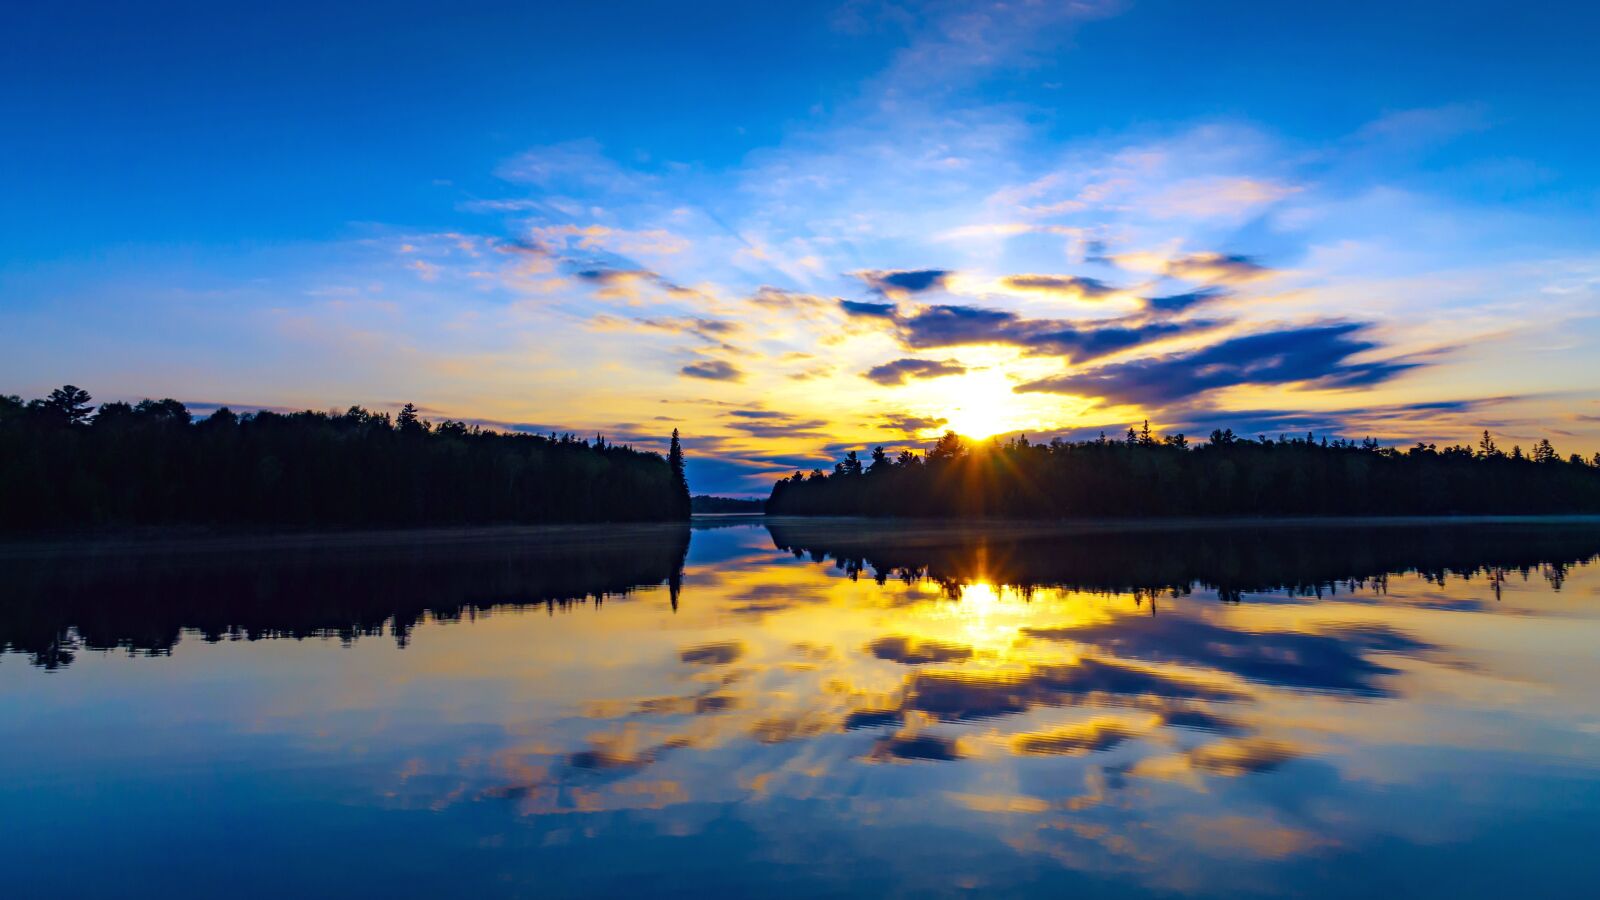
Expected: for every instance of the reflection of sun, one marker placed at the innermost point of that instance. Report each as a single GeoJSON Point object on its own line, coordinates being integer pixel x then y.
{"type": "Point", "coordinates": [981, 404]}
{"type": "Point", "coordinates": [979, 599]}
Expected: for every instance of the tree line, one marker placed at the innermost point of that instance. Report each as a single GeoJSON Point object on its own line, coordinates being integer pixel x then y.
{"type": "Point", "coordinates": [1144, 474]}
{"type": "Point", "coordinates": [65, 464]}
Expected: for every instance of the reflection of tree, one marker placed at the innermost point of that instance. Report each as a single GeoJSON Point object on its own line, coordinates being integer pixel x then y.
{"type": "Point", "coordinates": [143, 601]}
{"type": "Point", "coordinates": [1233, 561]}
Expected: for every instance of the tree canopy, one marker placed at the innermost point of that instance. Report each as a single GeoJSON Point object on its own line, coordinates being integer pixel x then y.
{"type": "Point", "coordinates": [1144, 474]}
{"type": "Point", "coordinates": [64, 464]}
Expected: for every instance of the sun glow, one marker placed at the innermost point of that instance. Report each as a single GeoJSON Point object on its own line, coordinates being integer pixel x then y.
{"type": "Point", "coordinates": [981, 404]}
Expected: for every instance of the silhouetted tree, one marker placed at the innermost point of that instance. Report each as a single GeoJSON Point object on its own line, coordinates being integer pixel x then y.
{"type": "Point", "coordinates": [680, 478]}
{"type": "Point", "coordinates": [408, 422]}
{"type": "Point", "coordinates": [69, 403]}
{"type": "Point", "coordinates": [1143, 475]}
{"type": "Point", "coordinates": [151, 463]}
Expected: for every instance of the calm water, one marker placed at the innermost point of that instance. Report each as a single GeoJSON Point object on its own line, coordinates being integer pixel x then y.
{"type": "Point", "coordinates": [808, 708]}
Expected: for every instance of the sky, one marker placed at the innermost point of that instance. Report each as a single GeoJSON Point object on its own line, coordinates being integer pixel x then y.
{"type": "Point", "coordinates": [789, 230]}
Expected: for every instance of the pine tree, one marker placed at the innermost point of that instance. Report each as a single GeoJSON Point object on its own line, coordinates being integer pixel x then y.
{"type": "Point", "coordinates": [407, 421]}
{"type": "Point", "coordinates": [70, 403]}
{"type": "Point", "coordinates": [1486, 447]}
{"type": "Point", "coordinates": [680, 478]}
{"type": "Point", "coordinates": [880, 460]}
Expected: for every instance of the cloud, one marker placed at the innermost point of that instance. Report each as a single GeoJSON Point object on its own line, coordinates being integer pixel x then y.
{"type": "Point", "coordinates": [909, 424]}
{"type": "Point", "coordinates": [904, 282]}
{"type": "Point", "coordinates": [624, 283]}
{"type": "Point", "coordinates": [1083, 344]}
{"type": "Point", "coordinates": [947, 326]}
{"type": "Point", "coordinates": [1074, 287]}
{"type": "Point", "coordinates": [1172, 304]}
{"type": "Point", "coordinates": [766, 423]}
{"type": "Point", "coordinates": [860, 309]}
{"type": "Point", "coordinates": [1205, 198]}
{"type": "Point", "coordinates": [713, 370]}
{"type": "Point", "coordinates": [951, 326]}
{"type": "Point", "coordinates": [1316, 355]}
{"type": "Point", "coordinates": [902, 370]}
{"type": "Point", "coordinates": [655, 241]}
{"type": "Point", "coordinates": [712, 330]}
{"type": "Point", "coordinates": [1216, 267]}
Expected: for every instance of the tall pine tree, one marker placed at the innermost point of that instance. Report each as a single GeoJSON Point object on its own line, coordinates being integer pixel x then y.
{"type": "Point", "coordinates": [680, 480]}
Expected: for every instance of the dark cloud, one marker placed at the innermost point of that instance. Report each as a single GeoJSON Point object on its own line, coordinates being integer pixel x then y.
{"type": "Point", "coordinates": [948, 325]}
{"type": "Point", "coordinates": [862, 309]}
{"type": "Point", "coordinates": [1317, 355]}
{"type": "Point", "coordinates": [1177, 303]}
{"type": "Point", "coordinates": [713, 370]}
{"type": "Point", "coordinates": [901, 370]}
{"type": "Point", "coordinates": [1083, 344]}
{"type": "Point", "coordinates": [897, 283]}
{"type": "Point", "coordinates": [1074, 286]}
{"type": "Point", "coordinates": [910, 651]}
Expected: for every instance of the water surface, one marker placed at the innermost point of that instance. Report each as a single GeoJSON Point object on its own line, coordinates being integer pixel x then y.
{"type": "Point", "coordinates": [804, 707]}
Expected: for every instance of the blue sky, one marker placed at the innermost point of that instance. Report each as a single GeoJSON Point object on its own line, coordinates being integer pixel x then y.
{"type": "Point", "coordinates": [633, 217]}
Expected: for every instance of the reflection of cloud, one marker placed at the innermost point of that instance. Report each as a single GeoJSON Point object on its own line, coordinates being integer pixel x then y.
{"type": "Point", "coordinates": [1092, 736]}
{"type": "Point", "coordinates": [913, 651]}
{"type": "Point", "coordinates": [1332, 660]}
{"type": "Point", "coordinates": [958, 695]}
{"type": "Point", "coordinates": [901, 370]}
{"type": "Point", "coordinates": [917, 746]}
{"type": "Point", "coordinates": [1242, 756]}
{"type": "Point", "coordinates": [719, 654]}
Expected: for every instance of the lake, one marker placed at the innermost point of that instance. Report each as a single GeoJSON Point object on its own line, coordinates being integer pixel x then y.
{"type": "Point", "coordinates": [808, 707]}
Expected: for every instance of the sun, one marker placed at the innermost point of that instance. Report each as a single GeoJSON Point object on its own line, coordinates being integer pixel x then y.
{"type": "Point", "coordinates": [979, 405]}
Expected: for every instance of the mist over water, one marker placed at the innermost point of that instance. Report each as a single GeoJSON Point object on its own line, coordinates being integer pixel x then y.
{"type": "Point", "coordinates": [797, 707]}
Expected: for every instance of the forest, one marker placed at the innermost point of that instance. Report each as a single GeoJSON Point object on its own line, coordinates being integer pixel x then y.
{"type": "Point", "coordinates": [1145, 475]}
{"type": "Point", "coordinates": [66, 464]}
